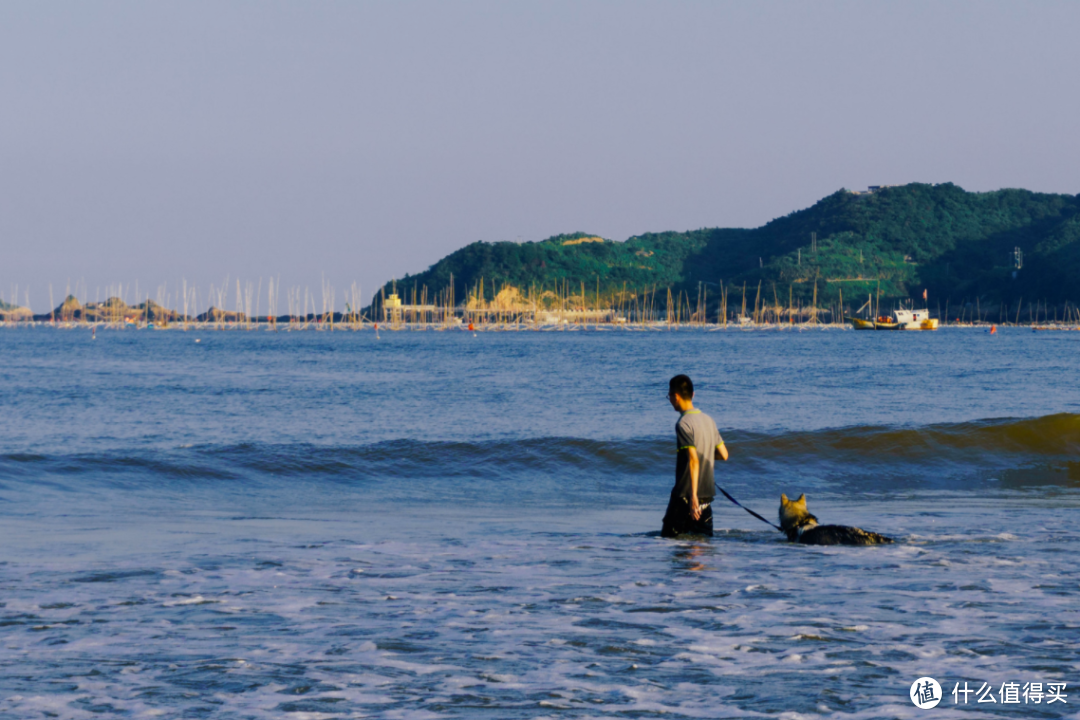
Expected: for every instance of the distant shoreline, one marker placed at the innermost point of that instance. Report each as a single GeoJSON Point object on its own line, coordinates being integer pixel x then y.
{"type": "Point", "coordinates": [340, 323]}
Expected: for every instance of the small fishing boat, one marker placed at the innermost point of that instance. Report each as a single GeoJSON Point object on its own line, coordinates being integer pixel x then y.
{"type": "Point", "coordinates": [915, 320]}
{"type": "Point", "coordinates": [900, 320]}
{"type": "Point", "coordinates": [881, 323]}
{"type": "Point", "coordinates": [903, 319]}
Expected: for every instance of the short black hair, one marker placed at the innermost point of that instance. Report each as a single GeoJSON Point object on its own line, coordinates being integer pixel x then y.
{"type": "Point", "coordinates": [682, 386]}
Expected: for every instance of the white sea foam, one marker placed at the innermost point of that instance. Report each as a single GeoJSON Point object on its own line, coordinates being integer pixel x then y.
{"type": "Point", "coordinates": [436, 625]}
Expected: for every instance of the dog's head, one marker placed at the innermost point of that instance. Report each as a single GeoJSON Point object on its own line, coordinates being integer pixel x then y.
{"type": "Point", "coordinates": [793, 513]}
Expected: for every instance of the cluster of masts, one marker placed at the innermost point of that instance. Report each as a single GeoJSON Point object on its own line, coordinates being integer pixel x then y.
{"type": "Point", "coordinates": [569, 305]}
{"type": "Point", "coordinates": [487, 305]}
{"type": "Point", "coordinates": [302, 307]}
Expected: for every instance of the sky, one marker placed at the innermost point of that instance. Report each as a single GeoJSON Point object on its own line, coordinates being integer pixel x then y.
{"type": "Point", "coordinates": [342, 144]}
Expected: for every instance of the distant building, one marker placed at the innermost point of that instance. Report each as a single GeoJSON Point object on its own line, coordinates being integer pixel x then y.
{"type": "Point", "coordinates": [871, 189]}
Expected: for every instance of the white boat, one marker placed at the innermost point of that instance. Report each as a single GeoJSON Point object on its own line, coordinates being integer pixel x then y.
{"type": "Point", "coordinates": [915, 320]}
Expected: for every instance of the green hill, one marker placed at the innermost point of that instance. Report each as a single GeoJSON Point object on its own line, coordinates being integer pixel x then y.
{"type": "Point", "coordinates": [897, 241]}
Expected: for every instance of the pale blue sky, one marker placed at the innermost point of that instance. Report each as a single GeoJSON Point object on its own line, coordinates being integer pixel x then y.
{"type": "Point", "coordinates": [155, 141]}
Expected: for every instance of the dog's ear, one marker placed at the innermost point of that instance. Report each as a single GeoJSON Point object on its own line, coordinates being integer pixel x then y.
{"type": "Point", "coordinates": [783, 499]}
{"type": "Point", "coordinates": [801, 500]}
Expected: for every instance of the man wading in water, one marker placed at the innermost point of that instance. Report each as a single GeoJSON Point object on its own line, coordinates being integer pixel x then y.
{"type": "Point", "coordinates": [699, 442]}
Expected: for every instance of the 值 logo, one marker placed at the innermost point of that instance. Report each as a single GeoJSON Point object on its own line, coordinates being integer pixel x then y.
{"type": "Point", "coordinates": [925, 693]}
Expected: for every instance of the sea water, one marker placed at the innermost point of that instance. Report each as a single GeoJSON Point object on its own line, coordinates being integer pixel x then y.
{"type": "Point", "coordinates": [436, 524]}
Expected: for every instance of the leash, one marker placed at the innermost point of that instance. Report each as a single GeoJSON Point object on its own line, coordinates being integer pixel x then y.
{"type": "Point", "coordinates": [748, 509]}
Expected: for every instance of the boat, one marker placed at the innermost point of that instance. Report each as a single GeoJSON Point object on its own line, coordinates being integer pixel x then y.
{"type": "Point", "coordinates": [915, 320]}
{"type": "Point", "coordinates": [881, 323]}
{"type": "Point", "coordinates": [900, 320]}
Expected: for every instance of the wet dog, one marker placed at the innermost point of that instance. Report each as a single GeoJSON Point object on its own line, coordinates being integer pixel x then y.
{"type": "Point", "coordinates": [802, 527]}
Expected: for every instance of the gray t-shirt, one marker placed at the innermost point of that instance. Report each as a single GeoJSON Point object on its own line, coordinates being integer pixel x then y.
{"type": "Point", "coordinates": [697, 431]}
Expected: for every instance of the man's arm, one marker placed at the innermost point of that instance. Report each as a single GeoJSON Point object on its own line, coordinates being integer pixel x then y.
{"type": "Point", "coordinates": [721, 452]}
{"type": "Point", "coordinates": [695, 465]}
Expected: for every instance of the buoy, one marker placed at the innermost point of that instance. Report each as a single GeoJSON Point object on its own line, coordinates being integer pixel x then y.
{"type": "Point", "coordinates": [993, 329]}
{"type": "Point", "coordinates": [198, 340]}
{"type": "Point", "coordinates": [471, 328]}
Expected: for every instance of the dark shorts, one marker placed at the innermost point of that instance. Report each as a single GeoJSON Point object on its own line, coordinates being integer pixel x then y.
{"type": "Point", "coordinates": [677, 520]}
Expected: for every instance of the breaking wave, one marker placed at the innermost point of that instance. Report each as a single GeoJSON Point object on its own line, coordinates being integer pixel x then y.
{"type": "Point", "coordinates": [1036, 451]}
{"type": "Point", "coordinates": [1050, 435]}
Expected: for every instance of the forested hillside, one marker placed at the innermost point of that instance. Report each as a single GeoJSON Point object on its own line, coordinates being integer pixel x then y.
{"type": "Point", "coordinates": [897, 241]}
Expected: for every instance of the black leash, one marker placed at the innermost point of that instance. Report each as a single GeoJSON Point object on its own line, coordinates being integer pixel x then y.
{"type": "Point", "coordinates": [748, 509]}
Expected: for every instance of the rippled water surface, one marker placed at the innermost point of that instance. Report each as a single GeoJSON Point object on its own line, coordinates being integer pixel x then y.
{"type": "Point", "coordinates": [435, 525]}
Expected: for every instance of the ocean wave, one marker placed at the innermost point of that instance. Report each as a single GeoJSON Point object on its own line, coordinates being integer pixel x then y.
{"type": "Point", "coordinates": [1025, 451]}
{"type": "Point", "coordinates": [1050, 435]}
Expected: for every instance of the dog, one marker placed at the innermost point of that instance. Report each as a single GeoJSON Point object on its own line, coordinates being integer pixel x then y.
{"type": "Point", "coordinates": [802, 527]}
